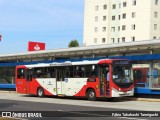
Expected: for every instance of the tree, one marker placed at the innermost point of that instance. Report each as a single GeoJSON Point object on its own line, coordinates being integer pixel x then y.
{"type": "Point", "coordinates": [73, 43]}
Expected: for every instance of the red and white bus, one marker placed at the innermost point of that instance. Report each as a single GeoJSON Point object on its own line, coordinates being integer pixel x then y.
{"type": "Point", "coordinates": [92, 79]}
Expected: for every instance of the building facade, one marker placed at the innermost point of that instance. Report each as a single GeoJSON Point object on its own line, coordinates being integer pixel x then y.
{"type": "Point", "coordinates": [118, 21]}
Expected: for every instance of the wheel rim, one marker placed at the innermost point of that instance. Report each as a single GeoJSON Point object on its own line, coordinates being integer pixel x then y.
{"type": "Point", "coordinates": [91, 94]}
{"type": "Point", "coordinates": [40, 92]}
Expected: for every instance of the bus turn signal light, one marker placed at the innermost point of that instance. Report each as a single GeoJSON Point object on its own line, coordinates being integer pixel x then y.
{"type": "Point", "coordinates": [97, 87]}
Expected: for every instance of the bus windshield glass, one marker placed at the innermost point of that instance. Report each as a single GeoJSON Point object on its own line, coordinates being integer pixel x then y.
{"type": "Point", "coordinates": [122, 74]}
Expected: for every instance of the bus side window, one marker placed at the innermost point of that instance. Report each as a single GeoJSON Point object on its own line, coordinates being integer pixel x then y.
{"type": "Point", "coordinates": [21, 73]}
{"type": "Point", "coordinates": [38, 73]}
{"type": "Point", "coordinates": [46, 72]}
{"type": "Point", "coordinates": [88, 71]}
{"type": "Point", "coordinates": [94, 71]}
{"type": "Point", "coordinates": [83, 71]}
{"type": "Point", "coordinates": [52, 72]}
{"type": "Point", "coordinates": [67, 71]}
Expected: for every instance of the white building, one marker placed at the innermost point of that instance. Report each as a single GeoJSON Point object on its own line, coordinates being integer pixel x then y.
{"type": "Point", "coordinates": [117, 21]}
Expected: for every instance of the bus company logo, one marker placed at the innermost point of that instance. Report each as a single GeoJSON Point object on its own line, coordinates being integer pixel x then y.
{"type": "Point", "coordinates": [37, 47]}
{"type": "Point", "coordinates": [6, 114]}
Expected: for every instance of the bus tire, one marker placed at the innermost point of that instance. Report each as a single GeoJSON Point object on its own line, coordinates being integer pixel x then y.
{"type": "Point", "coordinates": [40, 92]}
{"type": "Point", "coordinates": [91, 95]}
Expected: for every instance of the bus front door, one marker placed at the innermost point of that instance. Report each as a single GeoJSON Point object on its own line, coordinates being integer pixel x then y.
{"type": "Point", "coordinates": [103, 79]}
{"type": "Point", "coordinates": [60, 82]}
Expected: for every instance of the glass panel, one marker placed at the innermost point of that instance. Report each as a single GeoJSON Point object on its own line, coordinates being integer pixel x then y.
{"type": "Point", "coordinates": [46, 72]}
{"type": "Point", "coordinates": [141, 75]}
{"type": "Point", "coordinates": [21, 73]}
{"type": "Point", "coordinates": [122, 75]}
{"type": "Point", "coordinates": [155, 80]}
{"type": "Point", "coordinates": [7, 75]}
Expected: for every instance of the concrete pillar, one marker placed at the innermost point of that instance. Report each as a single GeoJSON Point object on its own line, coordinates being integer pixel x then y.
{"type": "Point", "coordinates": [150, 73]}
{"type": "Point", "coordinates": [151, 51]}
{"type": "Point", "coordinates": [93, 55]}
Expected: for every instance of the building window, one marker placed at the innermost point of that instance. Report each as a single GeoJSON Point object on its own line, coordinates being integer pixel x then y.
{"type": "Point", "coordinates": [113, 17]}
{"type": "Point", "coordinates": [154, 37]}
{"type": "Point", "coordinates": [96, 19]}
{"type": "Point", "coordinates": [119, 28]}
{"type": "Point", "coordinates": [112, 39]}
{"type": "Point", "coordinates": [156, 2]}
{"type": "Point", "coordinates": [104, 29]}
{"type": "Point", "coordinates": [119, 5]}
{"type": "Point", "coordinates": [124, 4]}
{"type": "Point", "coordinates": [133, 38]}
{"type": "Point", "coordinates": [155, 14]}
{"type": "Point", "coordinates": [114, 6]}
{"type": "Point", "coordinates": [123, 39]}
{"type": "Point", "coordinates": [104, 18]}
{"type": "Point", "coordinates": [133, 14]}
{"type": "Point", "coordinates": [123, 27]}
{"type": "Point", "coordinates": [155, 26]}
{"type": "Point", "coordinates": [133, 27]}
{"type": "Point", "coordinates": [104, 7]}
{"type": "Point", "coordinates": [119, 17]}
{"type": "Point", "coordinates": [124, 15]}
{"type": "Point", "coordinates": [95, 40]}
{"type": "Point", "coordinates": [113, 29]}
{"type": "Point", "coordinates": [96, 29]}
{"type": "Point", "coordinates": [103, 40]}
{"type": "Point", "coordinates": [133, 2]}
{"type": "Point", "coordinates": [96, 8]}
{"type": "Point", "coordinates": [118, 40]}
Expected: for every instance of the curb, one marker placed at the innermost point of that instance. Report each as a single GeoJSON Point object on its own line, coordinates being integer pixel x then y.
{"type": "Point", "coordinates": [4, 91]}
{"type": "Point", "coordinates": [142, 99]}
{"type": "Point", "coordinates": [148, 100]}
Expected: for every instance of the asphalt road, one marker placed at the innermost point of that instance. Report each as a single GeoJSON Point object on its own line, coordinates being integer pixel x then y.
{"type": "Point", "coordinates": [71, 109]}
{"type": "Point", "coordinates": [62, 112]}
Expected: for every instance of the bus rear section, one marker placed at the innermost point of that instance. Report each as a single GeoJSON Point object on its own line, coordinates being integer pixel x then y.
{"type": "Point", "coordinates": [21, 82]}
{"type": "Point", "coordinates": [35, 80]}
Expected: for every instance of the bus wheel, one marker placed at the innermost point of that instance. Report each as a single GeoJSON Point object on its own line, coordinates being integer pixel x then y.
{"type": "Point", "coordinates": [40, 92]}
{"type": "Point", "coordinates": [91, 95]}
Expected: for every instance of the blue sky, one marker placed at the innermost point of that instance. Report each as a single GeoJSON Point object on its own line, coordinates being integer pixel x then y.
{"type": "Point", "coordinates": [55, 22]}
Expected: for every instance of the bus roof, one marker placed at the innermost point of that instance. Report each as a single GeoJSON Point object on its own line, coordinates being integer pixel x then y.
{"type": "Point", "coordinates": [69, 63]}
{"type": "Point", "coordinates": [66, 63]}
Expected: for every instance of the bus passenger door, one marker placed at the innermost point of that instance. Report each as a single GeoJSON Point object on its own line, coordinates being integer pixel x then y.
{"type": "Point", "coordinates": [29, 81]}
{"type": "Point", "coordinates": [60, 81]}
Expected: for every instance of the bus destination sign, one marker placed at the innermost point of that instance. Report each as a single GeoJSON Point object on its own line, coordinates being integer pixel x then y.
{"type": "Point", "coordinates": [121, 62]}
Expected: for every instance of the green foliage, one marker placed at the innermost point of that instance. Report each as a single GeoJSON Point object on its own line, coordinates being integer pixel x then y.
{"type": "Point", "coordinates": [73, 43]}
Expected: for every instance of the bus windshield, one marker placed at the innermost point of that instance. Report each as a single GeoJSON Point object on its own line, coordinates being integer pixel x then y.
{"type": "Point", "coordinates": [122, 75]}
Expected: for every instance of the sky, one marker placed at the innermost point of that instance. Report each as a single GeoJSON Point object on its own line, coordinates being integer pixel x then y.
{"type": "Point", "coordinates": [54, 22]}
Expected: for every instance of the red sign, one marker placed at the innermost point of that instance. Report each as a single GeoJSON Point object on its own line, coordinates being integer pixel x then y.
{"type": "Point", "coordinates": [0, 37]}
{"type": "Point", "coordinates": [36, 46]}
